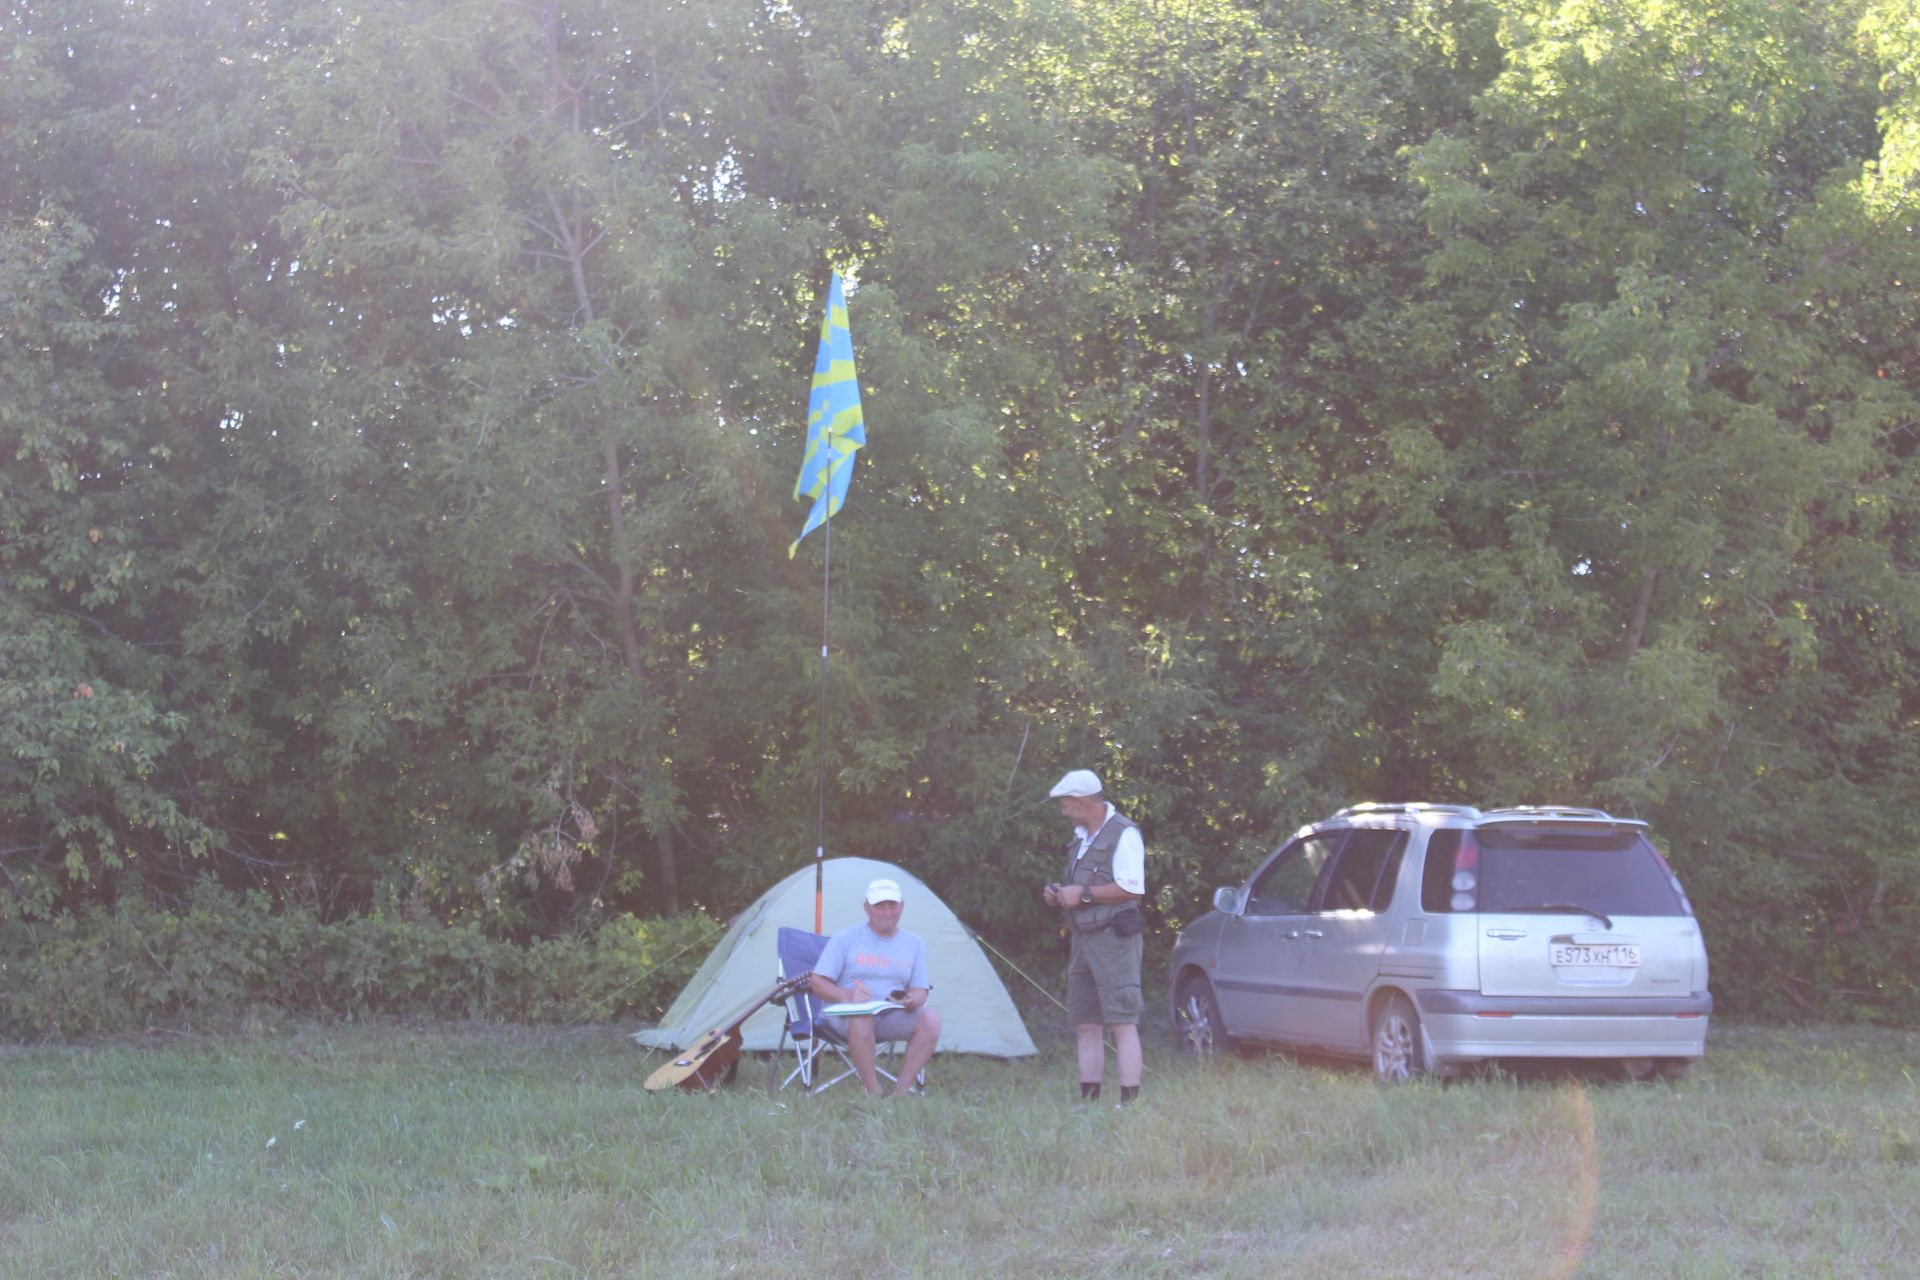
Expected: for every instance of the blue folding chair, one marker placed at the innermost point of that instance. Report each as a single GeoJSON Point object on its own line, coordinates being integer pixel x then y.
{"type": "Point", "coordinates": [811, 1035]}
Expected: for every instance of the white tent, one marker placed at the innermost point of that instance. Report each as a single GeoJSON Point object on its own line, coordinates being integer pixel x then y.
{"type": "Point", "coordinates": [976, 1014]}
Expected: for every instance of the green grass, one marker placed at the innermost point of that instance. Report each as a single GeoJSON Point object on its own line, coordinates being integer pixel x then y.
{"type": "Point", "coordinates": [486, 1151]}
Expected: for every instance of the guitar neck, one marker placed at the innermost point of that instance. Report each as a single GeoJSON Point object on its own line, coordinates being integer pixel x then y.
{"type": "Point", "coordinates": [781, 991]}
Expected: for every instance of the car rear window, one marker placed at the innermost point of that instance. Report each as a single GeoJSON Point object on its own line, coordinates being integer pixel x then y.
{"type": "Point", "coordinates": [1617, 873]}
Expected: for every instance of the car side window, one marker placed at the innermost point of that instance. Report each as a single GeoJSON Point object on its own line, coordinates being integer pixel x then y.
{"type": "Point", "coordinates": [1284, 886]}
{"type": "Point", "coordinates": [1362, 877]}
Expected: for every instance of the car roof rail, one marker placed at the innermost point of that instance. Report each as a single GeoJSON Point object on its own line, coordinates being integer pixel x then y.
{"type": "Point", "coordinates": [1554, 813]}
{"type": "Point", "coordinates": [1413, 806]}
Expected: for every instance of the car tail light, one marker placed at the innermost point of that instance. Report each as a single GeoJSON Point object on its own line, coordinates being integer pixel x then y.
{"type": "Point", "coordinates": [1466, 873]}
{"type": "Point", "coordinates": [1672, 879]}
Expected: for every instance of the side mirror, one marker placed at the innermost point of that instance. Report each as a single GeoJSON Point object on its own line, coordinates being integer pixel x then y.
{"type": "Point", "coordinates": [1226, 899]}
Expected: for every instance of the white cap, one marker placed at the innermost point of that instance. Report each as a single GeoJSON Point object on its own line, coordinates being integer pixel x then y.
{"type": "Point", "coordinates": [882, 891]}
{"type": "Point", "coordinates": [1079, 782]}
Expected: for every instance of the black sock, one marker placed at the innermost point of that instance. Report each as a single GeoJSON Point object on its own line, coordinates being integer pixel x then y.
{"type": "Point", "coordinates": [1128, 1092]}
{"type": "Point", "coordinates": [1089, 1092]}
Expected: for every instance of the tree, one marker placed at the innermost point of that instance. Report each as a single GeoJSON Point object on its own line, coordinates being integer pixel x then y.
{"type": "Point", "coordinates": [1687, 592]}
{"type": "Point", "coordinates": [1272, 407]}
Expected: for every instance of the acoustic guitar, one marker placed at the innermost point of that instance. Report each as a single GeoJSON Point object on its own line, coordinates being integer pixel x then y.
{"type": "Point", "coordinates": [716, 1053]}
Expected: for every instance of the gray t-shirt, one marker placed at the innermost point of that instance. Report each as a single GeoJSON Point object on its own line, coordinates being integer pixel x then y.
{"type": "Point", "coordinates": [886, 964]}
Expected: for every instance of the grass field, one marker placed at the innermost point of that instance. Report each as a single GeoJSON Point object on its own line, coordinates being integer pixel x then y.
{"type": "Point", "coordinates": [485, 1151]}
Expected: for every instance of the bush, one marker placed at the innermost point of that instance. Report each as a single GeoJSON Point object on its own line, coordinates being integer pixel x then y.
{"type": "Point", "coordinates": [231, 958]}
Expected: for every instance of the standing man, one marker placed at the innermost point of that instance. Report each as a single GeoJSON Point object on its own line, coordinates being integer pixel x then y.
{"type": "Point", "coordinates": [879, 960]}
{"type": "Point", "coordinates": [1100, 901]}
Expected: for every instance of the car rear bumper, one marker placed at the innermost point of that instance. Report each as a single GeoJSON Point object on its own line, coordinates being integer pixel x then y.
{"type": "Point", "coordinates": [1464, 1025]}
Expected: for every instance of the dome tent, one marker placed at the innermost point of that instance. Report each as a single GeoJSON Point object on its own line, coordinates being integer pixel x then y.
{"type": "Point", "coordinates": [976, 1013]}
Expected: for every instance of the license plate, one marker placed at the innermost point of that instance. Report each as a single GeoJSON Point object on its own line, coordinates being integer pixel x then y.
{"type": "Point", "coordinates": [1578, 955]}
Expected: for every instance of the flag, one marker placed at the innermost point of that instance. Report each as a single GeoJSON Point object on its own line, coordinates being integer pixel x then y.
{"type": "Point", "coordinates": [835, 427]}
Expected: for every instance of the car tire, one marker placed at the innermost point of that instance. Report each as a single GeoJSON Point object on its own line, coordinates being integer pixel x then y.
{"type": "Point", "coordinates": [1197, 1029]}
{"type": "Point", "coordinates": [1398, 1053]}
{"type": "Point", "coordinates": [1673, 1068]}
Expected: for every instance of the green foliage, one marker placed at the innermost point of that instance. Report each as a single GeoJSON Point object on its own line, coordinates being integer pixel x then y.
{"type": "Point", "coordinates": [1692, 424]}
{"type": "Point", "coordinates": [1271, 406]}
{"type": "Point", "coordinates": [229, 960]}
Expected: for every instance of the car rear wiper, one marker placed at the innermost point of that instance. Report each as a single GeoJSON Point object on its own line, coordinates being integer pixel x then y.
{"type": "Point", "coordinates": [1575, 907]}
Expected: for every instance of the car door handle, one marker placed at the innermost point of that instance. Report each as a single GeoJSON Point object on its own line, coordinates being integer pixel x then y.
{"type": "Point", "coordinates": [1507, 935]}
{"type": "Point", "coordinates": [1312, 933]}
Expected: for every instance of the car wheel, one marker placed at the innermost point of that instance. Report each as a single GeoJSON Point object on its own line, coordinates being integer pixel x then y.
{"type": "Point", "coordinates": [1397, 1055]}
{"type": "Point", "coordinates": [1197, 1028]}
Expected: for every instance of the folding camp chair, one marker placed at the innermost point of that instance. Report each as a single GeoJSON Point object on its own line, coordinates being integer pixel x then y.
{"type": "Point", "coordinates": [811, 1035]}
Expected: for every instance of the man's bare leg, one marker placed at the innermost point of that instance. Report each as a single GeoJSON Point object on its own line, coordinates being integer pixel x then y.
{"type": "Point", "coordinates": [920, 1047]}
{"type": "Point", "coordinates": [1126, 1044]}
{"type": "Point", "coordinates": [860, 1049]}
{"type": "Point", "coordinates": [1092, 1052]}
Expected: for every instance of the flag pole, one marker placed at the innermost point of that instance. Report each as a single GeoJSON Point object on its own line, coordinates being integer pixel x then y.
{"type": "Point", "coordinates": [836, 430]}
{"type": "Point", "coordinates": [820, 747]}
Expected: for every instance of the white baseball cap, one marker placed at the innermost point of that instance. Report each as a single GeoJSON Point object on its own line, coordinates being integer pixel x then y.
{"type": "Point", "coordinates": [882, 891]}
{"type": "Point", "coordinates": [1079, 782]}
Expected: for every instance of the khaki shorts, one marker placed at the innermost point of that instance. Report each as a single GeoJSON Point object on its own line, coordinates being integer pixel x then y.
{"type": "Point", "coordinates": [1103, 979]}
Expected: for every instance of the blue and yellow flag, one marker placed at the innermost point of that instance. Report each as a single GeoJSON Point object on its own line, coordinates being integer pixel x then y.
{"type": "Point", "coordinates": [835, 427]}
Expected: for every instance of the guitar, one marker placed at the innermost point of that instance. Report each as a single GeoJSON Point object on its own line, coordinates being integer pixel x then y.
{"type": "Point", "coordinates": [717, 1052]}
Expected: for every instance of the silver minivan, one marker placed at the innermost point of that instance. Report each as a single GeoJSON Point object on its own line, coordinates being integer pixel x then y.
{"type": "Point", "coordinates": [1429, 937]}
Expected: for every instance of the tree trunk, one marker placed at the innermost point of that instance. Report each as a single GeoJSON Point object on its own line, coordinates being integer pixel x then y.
{"type": "Point", "coordinates": [571, 231]}
{"type": "Point", "coordinates": [669, 873]}
{"type": "Point", "coordinates": [1638, 627]}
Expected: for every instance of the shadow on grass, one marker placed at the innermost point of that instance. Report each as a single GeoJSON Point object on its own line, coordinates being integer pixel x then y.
{"type": "Point", "coordinates": [1525, 1072]}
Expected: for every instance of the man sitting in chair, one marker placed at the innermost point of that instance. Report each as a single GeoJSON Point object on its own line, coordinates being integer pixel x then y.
{"type": "Point", "coordinates": [879, 960]}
